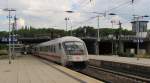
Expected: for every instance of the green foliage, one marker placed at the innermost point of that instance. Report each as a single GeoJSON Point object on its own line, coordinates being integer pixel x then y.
{"type": "Point", "coordinates": [33, 32]}
{"type": "Point", "coordinates": [127, 32]}
{"type": "Point", "coordinates": [106, 31]}
{"type": "Point", "coordinates": [126, 54]}
{"type": "Point", "coordinates": [87, 31]}
{"type": "Point", "coordinates": [3, 33]}
{"type": "Point", "coordinates": [3, 52]}
{"type": "Point", "coordinates": [3, 46]}
{"type": "Point", "coordinates": [144, 56]}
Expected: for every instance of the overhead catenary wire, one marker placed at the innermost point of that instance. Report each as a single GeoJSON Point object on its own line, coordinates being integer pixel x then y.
{"type": "Point", "coordinates": [91, 18]}
{"type": "Point", "coordinates": [120, 5]}
{"type": "Point", "coordinates": [114, 8]}
{"type": "Point", "coordinates": [84, 2]}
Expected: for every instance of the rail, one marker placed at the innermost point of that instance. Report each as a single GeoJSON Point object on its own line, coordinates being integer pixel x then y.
{"type": "Point", "coordinates": [113, 76]}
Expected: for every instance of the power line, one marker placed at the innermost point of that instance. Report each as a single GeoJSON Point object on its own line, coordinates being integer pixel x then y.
{"type": "Point", "coordinates": [84, 3]}
{"type": "Point", "coordinates": [91, 18]}
{"type": "Point", "coordinates": [120, 5]}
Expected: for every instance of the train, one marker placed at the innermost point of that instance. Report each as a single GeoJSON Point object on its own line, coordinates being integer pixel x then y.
{"type": "Point", "coordinates": [68, 51]}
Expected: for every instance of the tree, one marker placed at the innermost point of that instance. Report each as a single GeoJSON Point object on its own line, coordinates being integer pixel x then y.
{"type": "Point", "coordinates": [3, 33]}
{"type": "Point", "coordinates": [85, 31]}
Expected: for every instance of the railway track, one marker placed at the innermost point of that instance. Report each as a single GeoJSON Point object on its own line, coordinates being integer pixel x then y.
{"type": "Point", "coordinates": [113, 76]}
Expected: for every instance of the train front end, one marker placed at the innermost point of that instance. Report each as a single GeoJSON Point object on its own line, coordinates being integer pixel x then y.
{"type": "Point", "coordinates": [76, 53]}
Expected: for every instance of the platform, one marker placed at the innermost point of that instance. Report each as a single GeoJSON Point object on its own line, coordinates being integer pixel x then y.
{"type": "Point", "coordinates": [134, 61]}
{"type": "Point", "coordinates": [29, 69]}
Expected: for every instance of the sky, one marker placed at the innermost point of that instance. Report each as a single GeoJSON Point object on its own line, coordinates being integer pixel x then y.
{"type": "Point", "coordinates": [51, 13]}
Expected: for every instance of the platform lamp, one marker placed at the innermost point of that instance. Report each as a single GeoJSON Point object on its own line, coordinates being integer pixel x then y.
{"type": "Point", "coordinates": [98, 32]}
{"type": "Point", "coordinates": [67, 18]}
{"type": "Point", "coordinates": [113, 14]}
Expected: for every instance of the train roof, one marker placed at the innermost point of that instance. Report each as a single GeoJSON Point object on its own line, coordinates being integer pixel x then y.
{"type": "Point", "coordinates": [60, 40]}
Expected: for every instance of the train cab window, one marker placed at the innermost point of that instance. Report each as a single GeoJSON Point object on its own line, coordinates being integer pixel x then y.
{"type": "Point", "coordinates": [74, 48]}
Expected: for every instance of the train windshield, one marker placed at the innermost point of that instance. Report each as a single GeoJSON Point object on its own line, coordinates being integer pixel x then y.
{"type": "Point", "coordinates": [74, 48]}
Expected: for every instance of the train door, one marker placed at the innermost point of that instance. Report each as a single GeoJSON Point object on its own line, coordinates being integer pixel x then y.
{"type": "Point", "coordinates": [62, 54]}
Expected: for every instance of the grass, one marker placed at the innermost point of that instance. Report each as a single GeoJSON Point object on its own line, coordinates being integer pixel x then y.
{"type": "Point", "coordinates": [144, 56]}
{"type": "Point", "coordinates": [3, 52]}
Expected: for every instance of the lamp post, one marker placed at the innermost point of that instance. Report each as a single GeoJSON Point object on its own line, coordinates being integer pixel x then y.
{"type": "Point", "coordinates": [113, 21]}
{"type": "Point", "coordinates": [98, 39]}
{"type": "Point", "coordinates": [98, 32]}
{"type": "Point", "coordinates": [13, 36]}
{"type": "Point", "coordinates": [71, 30]}
{"type": "Point", "coordinates": [67, 18]}
{"type": "Point", "coordinates": [9, 25]}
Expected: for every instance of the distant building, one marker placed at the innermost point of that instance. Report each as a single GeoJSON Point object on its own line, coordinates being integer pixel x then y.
{"type": "Point", "coordinates": [141, 25]}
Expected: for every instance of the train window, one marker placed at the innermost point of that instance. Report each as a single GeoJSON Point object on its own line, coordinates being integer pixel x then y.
{"type": "Point", "coordinates": [50, 48]}
{"type": "Point", "coordinates": [59, 46]}
{"type": "Point", "coordinates": [40, 48]}
{"type": "Point", "coordinates": [43, 48]}
{"type": "Point", "coordinates": [46, 48]}
{"type": "Point", "coordinates": [54, 49]}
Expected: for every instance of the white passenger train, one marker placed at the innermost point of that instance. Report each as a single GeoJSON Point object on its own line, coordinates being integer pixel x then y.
{"type": "Point", "coordinates": [66, 51]}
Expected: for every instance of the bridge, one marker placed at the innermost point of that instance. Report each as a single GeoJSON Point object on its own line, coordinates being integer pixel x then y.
{"type": "Point", "coordinates": [108, 43]}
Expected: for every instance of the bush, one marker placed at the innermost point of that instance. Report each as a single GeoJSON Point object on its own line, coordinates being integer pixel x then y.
{"type": "Point", "coordinates": [3, 52]}
{"type": "Point", "coordinates": [144, 56]}
{"type": "Point", "coordinates": [126, 54]}
{"type": "Point", "coordinates": [121, 54]}
{"type": "Point", "coordinates": [131, 55]}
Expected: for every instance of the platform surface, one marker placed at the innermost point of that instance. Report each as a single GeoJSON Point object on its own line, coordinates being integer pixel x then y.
{"type": "Point", "coordinates": [29, 69]}
{"type": "Point", "coordinates": [128, 60]}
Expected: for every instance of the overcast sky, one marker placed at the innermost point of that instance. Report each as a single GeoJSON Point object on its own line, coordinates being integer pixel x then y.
{"type": "Point", "coordinates": [50, 13]}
